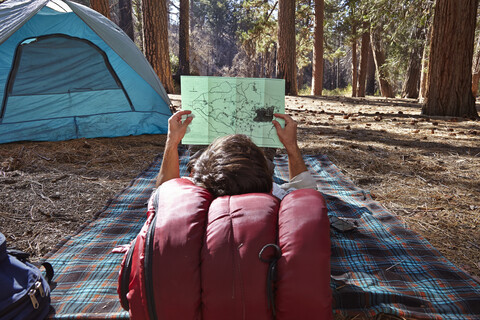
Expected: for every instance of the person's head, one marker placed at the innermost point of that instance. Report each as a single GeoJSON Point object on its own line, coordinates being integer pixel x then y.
{"type": "Point", "coordinates": [232, 165]}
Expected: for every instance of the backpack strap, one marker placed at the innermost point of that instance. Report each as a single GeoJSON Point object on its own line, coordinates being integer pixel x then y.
{"type": "Point", "coordinates": [19, 254]}
{"type": "Point", "coordinates": [48, 271]}
{"type": "Point", "coordinates": [23, 257]}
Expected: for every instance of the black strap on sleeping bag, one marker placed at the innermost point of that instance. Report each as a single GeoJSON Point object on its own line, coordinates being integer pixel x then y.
{"type": "Point", "coordinates": [272, 274]}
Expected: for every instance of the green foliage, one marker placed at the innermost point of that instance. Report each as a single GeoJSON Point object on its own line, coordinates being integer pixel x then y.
{"type": "Point", "coordinates": [306, 90]}
{"type": "Point", "coordinates": [347, 91]}
{"type": "Point", "coordinates": [304, 26]}
{"type": "Point", "coordinates": [174, 63]}
{"type": "Point", "coordinates": [213, 36]}
{"type": "Point", "coordinates": [239, 37]}
{"type": "Point", "coordinates": [258, 27]}
{"type": "Point", "coordinates": [403, 24]}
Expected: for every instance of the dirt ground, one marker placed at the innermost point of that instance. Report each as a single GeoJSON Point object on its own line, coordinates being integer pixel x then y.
{"type": "Point", "coordinates": [424, 170]}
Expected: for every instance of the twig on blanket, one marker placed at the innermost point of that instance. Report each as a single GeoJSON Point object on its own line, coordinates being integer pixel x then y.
{"type": "Point", "coordinates": [393, 266]}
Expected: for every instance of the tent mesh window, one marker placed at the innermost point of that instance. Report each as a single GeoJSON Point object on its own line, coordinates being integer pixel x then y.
{"type": "Point", "coordinates": [76, 65]}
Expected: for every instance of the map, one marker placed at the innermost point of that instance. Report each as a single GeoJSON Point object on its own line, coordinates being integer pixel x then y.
{"type": "Point", "coordinates": [223, 106]}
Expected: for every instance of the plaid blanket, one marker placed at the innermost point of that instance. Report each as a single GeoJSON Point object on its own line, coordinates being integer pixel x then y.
{"type": "Point", "coordinates": [380, 267]}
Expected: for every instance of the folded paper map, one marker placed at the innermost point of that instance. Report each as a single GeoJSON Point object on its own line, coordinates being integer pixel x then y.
{"type": "Point", "coordinates": [223, 106]}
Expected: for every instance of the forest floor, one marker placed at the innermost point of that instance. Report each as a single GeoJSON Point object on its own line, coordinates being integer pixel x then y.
{"type": "Point", "coordinates": [424, 170]}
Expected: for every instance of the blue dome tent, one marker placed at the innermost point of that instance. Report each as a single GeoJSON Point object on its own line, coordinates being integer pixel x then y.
{"type": "Point", "coordinates": [68, 72]}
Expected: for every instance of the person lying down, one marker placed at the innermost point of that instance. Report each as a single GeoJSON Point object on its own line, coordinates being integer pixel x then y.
{"type": "Point", "coordinates": [233, 164]}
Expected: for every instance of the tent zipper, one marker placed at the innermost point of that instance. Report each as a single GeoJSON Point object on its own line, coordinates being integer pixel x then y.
{"type": "Point", "coordinates": [149, 270]}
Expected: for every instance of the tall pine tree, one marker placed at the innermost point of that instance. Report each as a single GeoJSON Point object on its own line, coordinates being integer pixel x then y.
{"type": "Point", "coordinates": [287, 67]}
{"type": "Point", "coordinates": [317, 63]}
{"type": "Point", "coordinates": [155, 30]}
{"type": "Point", "coordinates": [449, 87]}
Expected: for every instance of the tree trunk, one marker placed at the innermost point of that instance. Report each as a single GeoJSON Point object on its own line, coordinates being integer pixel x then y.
{"type": "Point", "coordinates": [101, 6]}
{"type": "Point", "coordinates": [476, 70]}
{"type": "Point", "coordinates": [379, 56]}
{"type": "Point", "coordinates": [138, 26]}
{"type": "Point", "coordinates": [287, 67]}
{"type": "Point", "coordinates": [354, 51]}
{"type": "Point", "coordinates": [354, 65]}
{"type": "Point", "coordinates": [424, 71]}
{"type": "Point", "coordinates": [184, 39]}
{"type": "Point", "coordinates": [362, 75]}
{"type": "Point", "coordinates": [411, 85]}
{"type": "Point", "coordinates": [412, 82]}
{"type": "Point", "coordinates": [155, 30]}
{"type": "Point", "coordinates": [370, 85]}
{"type": "Point", "coordinates": [475, 80]}
{"type": "Point", "coordinates": [126, 20]}
{"type": "Point", "coordinates": [317, 73]}
{"type": "Point", "coordinates": [449, 87]}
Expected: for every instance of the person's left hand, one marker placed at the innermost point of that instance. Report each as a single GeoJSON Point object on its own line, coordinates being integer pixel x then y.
{"type": "Point", "coordinates": [287, 134]}
{"type": "Point", "coordinates": [177, 128]}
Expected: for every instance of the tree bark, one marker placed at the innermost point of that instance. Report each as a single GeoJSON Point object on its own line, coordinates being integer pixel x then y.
{"type": "Point", "coordinates": [379, 56]}
{"type": "Point", "coordinates": [184, 39]}
{"type": "Point", "coordinates": [411, 85]}
{"type": "Point", "coordinates": [476, 70]}
{"type": "Point", "coordinates": [101, 6]}
{"type": "Point", "coordinates": [354, 65]}
{"type": "Point", "coordinates": [475, 80]}
{"type": "Point", "coordinates": [126, 20]}
{"type": "Point", "coordinates": [287, 67]}
{"type": "Point", "coordinates": [155, 30]}
{"type": "Point", "coordinates": [449, 87]}
{"type": "Point", "coordinates": [424, 70]}
{"type": "Point", "coordinates": [138, 26]}
{"type": "Point", "coordinates": [317, 73]}
{"type": "Point", "coordinates": [362, 75]}
{"type": "Point", "coordinates": [370, 85]}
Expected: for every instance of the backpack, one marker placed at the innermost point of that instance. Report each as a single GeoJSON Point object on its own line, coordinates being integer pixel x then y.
{"type": "Point", "coordinates": [247, 256]}
{"type": "Point", "coordinates": [25, 293]}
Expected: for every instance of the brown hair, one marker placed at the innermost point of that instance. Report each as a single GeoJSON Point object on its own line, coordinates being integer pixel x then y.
{"type": "Point", "coordinates": [232, 165]}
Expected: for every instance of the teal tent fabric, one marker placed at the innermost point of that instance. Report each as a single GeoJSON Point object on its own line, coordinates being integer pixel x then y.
{"type": "Point", "coordinates": [68, 72]}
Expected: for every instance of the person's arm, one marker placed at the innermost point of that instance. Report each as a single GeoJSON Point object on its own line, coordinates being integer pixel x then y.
{"type": "Point", "coordinates": [170, 168]}
{"type": "Point", "coordinates": [288, 137]}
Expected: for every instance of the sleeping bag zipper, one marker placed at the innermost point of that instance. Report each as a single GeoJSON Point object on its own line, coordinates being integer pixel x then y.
{"type": "Point", "coordinates": [125, 281]}
{"type": "Point", "coordinates": [149, 270]}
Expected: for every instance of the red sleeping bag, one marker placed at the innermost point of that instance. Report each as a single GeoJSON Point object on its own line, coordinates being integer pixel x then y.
{"type": "Point", "coordinates": [199, 258]}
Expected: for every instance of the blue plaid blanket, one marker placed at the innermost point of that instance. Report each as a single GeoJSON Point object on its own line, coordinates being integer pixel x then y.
{"type": "Point", "coordinates": [380, 267]}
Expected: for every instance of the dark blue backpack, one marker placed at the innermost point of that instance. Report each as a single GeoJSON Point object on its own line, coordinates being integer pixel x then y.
{"type": "Point", "coordinates": [24, 292]}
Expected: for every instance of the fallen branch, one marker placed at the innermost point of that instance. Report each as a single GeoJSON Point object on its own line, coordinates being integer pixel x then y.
{"type": "Point", "coordinates": [425, 209]}
{"type": "Point", "coordinates": [59, 178]}
{"type": "Point", "coordinates": [43, 157]}
{"type": "Point", "coordinates": [89, 178]}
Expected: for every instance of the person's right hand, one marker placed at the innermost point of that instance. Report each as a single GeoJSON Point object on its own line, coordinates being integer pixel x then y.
{"type": "Point", "coordinates": [288, 134]}
{"type": "Point", "coordinates": [177, 128]}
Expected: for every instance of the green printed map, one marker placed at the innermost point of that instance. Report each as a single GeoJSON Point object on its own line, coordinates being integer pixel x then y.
{"type": "Point", "coordinates": [222, 106]}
